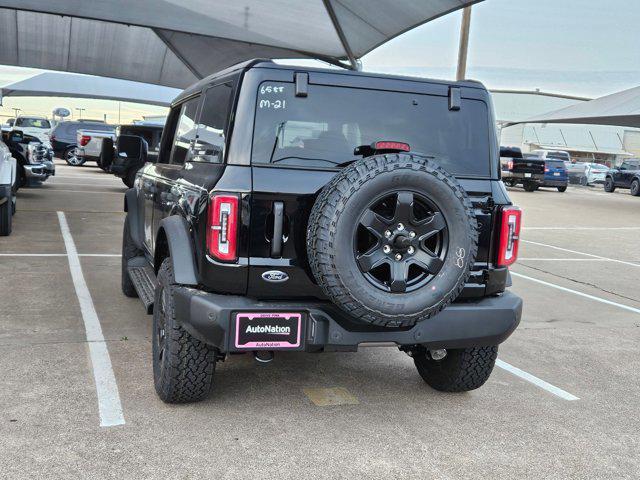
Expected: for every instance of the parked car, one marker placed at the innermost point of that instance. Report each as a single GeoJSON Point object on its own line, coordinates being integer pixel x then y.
{"type": "Point", "coordinates": [625, 176]}
{"type": "Point", "coordinates": [516, 169]}
{"type": "Point", "coordinates": [596, 173]}
{"type": "Point", "coordinates": [126, 157]}
{"type": "Point", "coordinates": [8, 187]}
{"type": "Point", "coordinates": [89, 141]}
{"type": "Point", "coordinates": [552, 154]}
{"type": "Point", "coordinates": [63, 137]}
{"type": "Point", "coordinates": [288, 210]}
{"type": "Point", "coordinates": [38, 127]}
{"type": "Point", "coordinates": [34, 157]}
{"type": "Point", "coordinates": [555, 174]}
{"type": "Point", "coordinates": [8, 125]}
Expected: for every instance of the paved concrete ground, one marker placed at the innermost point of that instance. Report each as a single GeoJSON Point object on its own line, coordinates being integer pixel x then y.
{"type": "Point", "coordinates": [260, 423]}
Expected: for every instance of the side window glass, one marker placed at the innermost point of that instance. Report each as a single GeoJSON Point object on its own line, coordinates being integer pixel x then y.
{"type": "Point", "coordinates": [168, 135]}
{"type": "Point", "coordinates": [185, 132]}
{"type": "Point", "coordinates": [211, 137]}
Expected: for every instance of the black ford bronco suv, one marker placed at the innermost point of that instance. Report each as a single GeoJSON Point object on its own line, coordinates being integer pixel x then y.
{"type": "Point", "coordinates": [316, 210]}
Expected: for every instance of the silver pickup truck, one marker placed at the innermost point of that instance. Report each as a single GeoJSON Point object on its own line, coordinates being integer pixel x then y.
{"type": "Point", "coordinates": [89, 144]}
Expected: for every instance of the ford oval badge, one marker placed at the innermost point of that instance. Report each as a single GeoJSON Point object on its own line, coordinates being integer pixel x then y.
{"type": "Point", "coordinates": [275, 276]}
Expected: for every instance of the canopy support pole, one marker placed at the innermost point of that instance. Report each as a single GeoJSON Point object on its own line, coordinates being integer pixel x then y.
{"type": "Point", "coordinates": [355, 65]}
{"type": "Point", "coordinates": [461, 73]}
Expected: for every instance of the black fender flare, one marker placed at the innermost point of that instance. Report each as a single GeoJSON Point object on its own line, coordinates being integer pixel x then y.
{"type": "Point", "coordinates": [176, 232]}
{"type": "Point", "coordinates": [134, 217]}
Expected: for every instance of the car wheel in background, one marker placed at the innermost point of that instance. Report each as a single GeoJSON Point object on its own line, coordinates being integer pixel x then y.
{"type": "Point", "coordinates": [460, 371]}
{"type": "Point", "coordinates": [562, 189]}
{"type": "Point", "coordinates": [635, 188]}
{"type": "Point", "coordinates": [608, 185]}
{"type": "Point", "coordinates": [6, 213]}
{"type": "Point", "coordinates": [71, 157]}
{"type": "Point", "coordinates": [530, 187]}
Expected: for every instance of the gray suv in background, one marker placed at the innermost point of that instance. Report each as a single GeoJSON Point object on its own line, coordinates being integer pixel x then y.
{"type": "Point", "coordinates": [63, 137]}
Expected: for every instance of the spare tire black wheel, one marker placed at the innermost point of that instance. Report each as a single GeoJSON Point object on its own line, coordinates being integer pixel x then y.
{"type": "Point", "coordinates": [391, 239]}
{"type": "Point", "coordinates": [106, 154]}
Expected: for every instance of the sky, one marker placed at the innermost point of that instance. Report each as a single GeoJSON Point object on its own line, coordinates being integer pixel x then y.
{"type": "Point", "coordinates": [576, 47]}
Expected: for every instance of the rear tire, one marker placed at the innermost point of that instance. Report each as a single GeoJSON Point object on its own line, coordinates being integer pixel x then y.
{"type": "Point", "coordinates": [129, 250]}
{"type": "Point", "coordinates": [183, 366]}
{"type": "Point", "coordinates": [460, 371]}
{"type": "Point", "coordinates": [562, 189]}
{"type": "Point", "coordinates": [635, 188]}
{"type": "Point", "coordinates": [71, 157]}
{"type": "Point", "coordinates": [609, 185]}
{"type": "Point", "coordinates": [6, 215]}
{"type": "Point", "coordinates": [530, 187]}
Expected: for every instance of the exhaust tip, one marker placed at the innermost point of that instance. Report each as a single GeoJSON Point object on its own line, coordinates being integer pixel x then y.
{"type": "Point", "coordinates": [263, 356]}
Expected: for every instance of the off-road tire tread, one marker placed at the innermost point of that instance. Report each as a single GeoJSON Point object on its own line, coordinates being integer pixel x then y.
{"type": "Point", "coordinates": [636, 192]}
{"type": "Point", "coordinates": [322, 230]}
{"type": "Point", "coordinates": [188, 377]}
{"type": "Point", "coordinates": [461, 370]}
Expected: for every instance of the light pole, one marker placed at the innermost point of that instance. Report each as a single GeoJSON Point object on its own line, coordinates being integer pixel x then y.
{"type": "Point", "coordinates": [15, 111]}
{"type": "Point", "coordinates": [80, 114]}
{"type": "Point", "coordinates": [464, 44]}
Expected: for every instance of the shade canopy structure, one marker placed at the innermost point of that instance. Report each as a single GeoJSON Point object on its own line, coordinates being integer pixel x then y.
{"type": "Point", "coordinates": [620, 109]}
{"type": "Point", "coordinates": [54, 84]}
{"type": "Point", "coordinates": [177, 42]}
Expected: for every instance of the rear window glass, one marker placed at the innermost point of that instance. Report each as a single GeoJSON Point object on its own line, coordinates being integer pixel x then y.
{"type": "Point", "coordinates": [555, 163]}
{"type": "Point", "coordinates": [322, 129]}
{"type": "Point", "coordinates": [33, 123]}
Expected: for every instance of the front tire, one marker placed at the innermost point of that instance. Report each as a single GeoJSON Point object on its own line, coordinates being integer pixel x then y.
{"type": "Point", "coordinates": [6, 214]}
{"type": "Point", "coordinates": [71, 157]}
{"type": "Point", "coordinates": [530, 187]}
{"type": "Point", "coordinates": [461, 370]}
{"type": "Point", "coordinates": [183, 366]}
{"type": "Point", "coordinates": [562, 189]}
{"type": "Point", "coordinates": [609, 185]}
{"type": "Point", "coordinates": [635, 188]}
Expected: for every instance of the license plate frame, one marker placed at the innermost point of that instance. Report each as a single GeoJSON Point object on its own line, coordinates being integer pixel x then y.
{"type": "Point", "coordinates": [527, 175]}
{"type": "Point", "coordinates": [556, 174]}
{"type": "Point", "coordinates": [269, 330]}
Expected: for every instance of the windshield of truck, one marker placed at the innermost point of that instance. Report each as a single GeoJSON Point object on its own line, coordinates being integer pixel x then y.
{"type": "Point", "coordinates": [33, 123]}
{"type": "Point", "coordinates": [323, 128]}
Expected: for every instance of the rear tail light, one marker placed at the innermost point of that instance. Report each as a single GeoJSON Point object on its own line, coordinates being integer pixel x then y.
{"type": "Point", "coordinates": [546, 169]}
{"type": "Point", "coordinates": [510, 164]}
{"type": "Point", "coordinates": [510, 220]}
{"type": "Point", "coordinates": [52, 137]}
{"type": "Point", "coordinates": [222, 227]}
{"type": "Point", "coordinates": [401, 146]}
{"type": "Point", "coordinates": [84, 140]}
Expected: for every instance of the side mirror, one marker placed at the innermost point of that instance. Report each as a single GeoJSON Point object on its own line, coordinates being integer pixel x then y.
{"type": "Point", "coordinates": [16, 136]}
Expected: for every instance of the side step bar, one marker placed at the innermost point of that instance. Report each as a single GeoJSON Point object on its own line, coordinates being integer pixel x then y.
{"type": "Point", "coordinates": [144, 280]}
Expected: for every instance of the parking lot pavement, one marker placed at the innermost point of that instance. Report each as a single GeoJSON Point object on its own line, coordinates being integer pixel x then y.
{"type": "Point", "coordinates": [579, 333]}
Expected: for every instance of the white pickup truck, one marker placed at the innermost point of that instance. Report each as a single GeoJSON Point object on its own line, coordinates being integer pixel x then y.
{"type": "Point", "coordinates": [89, 144]}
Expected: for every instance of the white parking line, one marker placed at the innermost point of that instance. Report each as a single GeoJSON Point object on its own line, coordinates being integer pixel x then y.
{"type": "Point", "coordinates": [58, 255]}
{"type": "Point", "coordinates": [580, 228]}
{"type": "Point", "coordinates": [109, 403]}
{"type": "Point", "coordinates": [564, 259]}
{"type": "Point", "coordinates": [536, 381]}
{"type": "Point", "coordinates": [575, 292]}
{"type": "Point", "coordinates": [581, 253]}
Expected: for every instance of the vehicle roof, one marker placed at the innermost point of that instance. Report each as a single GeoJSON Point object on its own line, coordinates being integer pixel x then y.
{"type": "Point", "coordinates": [268, 64]}
{"type": "Point", "coordinates": [33, 116]}
{"type": "Point", "coordinates": [143, 125]}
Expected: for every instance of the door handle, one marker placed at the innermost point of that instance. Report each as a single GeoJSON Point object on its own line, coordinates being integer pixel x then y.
{"type": "Point", "coordinates": [278, 220]}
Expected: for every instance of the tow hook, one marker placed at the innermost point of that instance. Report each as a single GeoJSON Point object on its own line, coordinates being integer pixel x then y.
{"type": "Point", "coordinates": [438, 354]}
{"type": "Point", "coordinates": [263, 356]}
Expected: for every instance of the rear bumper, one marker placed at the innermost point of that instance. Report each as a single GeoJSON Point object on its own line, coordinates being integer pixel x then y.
{"type": "Point", "coordinates": [555, 183]}
{"type": "Point", "coordinates": [527, 177]}
{"type": "Point", "coordinates": [483, 322]}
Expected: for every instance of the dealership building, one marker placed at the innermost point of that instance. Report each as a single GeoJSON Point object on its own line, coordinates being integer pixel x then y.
{"type": "Point", "coordinates": [590, 143]}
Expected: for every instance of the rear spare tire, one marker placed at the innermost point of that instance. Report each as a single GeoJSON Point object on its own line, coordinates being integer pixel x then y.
{"type": "Point", "coordinates": [391, 239]}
